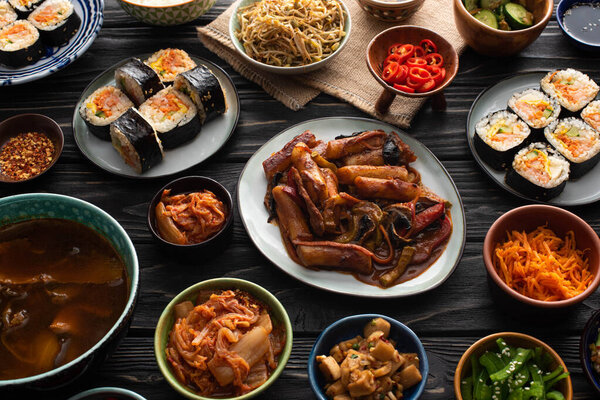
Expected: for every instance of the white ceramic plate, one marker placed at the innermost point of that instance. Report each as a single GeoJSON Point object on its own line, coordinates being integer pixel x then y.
{"type": "Point", "coordinates": [56, 58]}
{"type": "Point", "coordinates": [253, 184]}
{"type": "Point", "coordinates": [212, 137]}
{"type": "Point", "coordinates": [584, 190]}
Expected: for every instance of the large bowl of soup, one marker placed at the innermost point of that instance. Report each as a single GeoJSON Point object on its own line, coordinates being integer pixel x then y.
{"type": "Point", "coordinates": [68, 285]}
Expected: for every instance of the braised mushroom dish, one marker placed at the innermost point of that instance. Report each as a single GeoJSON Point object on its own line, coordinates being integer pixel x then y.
{"type": "Point", "coordinates": [355, 205]}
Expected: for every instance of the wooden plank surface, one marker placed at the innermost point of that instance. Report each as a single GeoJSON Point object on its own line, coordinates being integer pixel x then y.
{"type": "Point", "coordinates": [448, 319]}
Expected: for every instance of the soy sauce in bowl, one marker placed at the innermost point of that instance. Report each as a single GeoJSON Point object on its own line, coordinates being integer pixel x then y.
{"type": "Point", "coordinates": [582, 22]}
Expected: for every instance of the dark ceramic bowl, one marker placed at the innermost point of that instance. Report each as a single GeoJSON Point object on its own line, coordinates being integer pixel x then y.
{"type": "Point", "coordinates": [528, 218]}
{"type": "Point", "coordinates": [24, 123]}
{"type": "Point", "coordinates": [106, 393]}
{"type": "Point", "coordinates": [348, 328]}
{"type": "Point", "coordinates": [463, 369]}
{"type": "Point", "coordinates": [563, 6]}
{"type": "Point", "coordinates": [588, 336]}
{"type": "Point", "coordinates": [191, 184]}
{"type": "Point", "coordinates": [25, 207]}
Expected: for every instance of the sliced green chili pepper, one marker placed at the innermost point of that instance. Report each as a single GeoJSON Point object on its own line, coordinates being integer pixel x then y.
{"type": "Point", "coordinates": [492, 362]}
{"type": "Point", "coordinates": [482, 391]}
{"type": "Point", "coordinates": [515, 365]}
{"type": "Point", "coordinates": [466, 388]}
{"type": "Point", "coordinates": [553, 374]}
{"type": "Point", "coordinates": [555, 395]}
{"type": "Point", "coordinates": [519, 379]}
{"type": "Point", "coordinates": [553, 382]}
{"type": "Point", "coordinates": [536, 388]}
{"type": "Point", "coordinates": [516, 394]}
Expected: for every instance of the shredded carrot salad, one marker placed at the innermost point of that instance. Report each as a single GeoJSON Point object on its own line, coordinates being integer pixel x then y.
{"type": "Point", "coordinates": [541, 265]}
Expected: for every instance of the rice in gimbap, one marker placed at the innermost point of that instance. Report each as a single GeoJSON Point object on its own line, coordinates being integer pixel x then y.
{"type": "Point", "coordinates": [591, 114]}
{"type": "Point", "coordinates": [205, 90]}
{"type": "Point", "coordinates": [173, 115]}
{"type": "Point", "coordinates": [573, 89]}
{"type": "Point", "coordinates": [20, 44]}
{"type": "Point", "coordinates": [169, 62]}
{"type": "Point", "coordinates": [56, 21]}
{"type": "Point", "coordinates": [136, 141]}
{"type": "Point", "coordinates": [103, 107]}
{"type": "Point", "coordinates": [25, 7]}
{"type": "Point", "coordinates": [499, 136]}
{"type": "Point", "coordinates": [538, 171]}
{"type": "Point", "coordinates": [138, 80]}
{"type": "Point", "coordinates": [578, 142]}
{"type": "Point", "coordinates": [7, 14]}
{"type": "Point", "coordinates": [535, 108]}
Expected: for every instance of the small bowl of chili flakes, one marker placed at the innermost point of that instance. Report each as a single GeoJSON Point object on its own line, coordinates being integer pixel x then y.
{"type": "Point", "coordinates": [30, 144]}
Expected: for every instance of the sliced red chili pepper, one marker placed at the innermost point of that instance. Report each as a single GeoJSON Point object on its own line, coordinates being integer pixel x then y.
{"type": "Point", "coordinates": [406, 50]}
{"type": "Point", "coordinates": [394, 48]}
{"type": "Point", "coordinates": [419, 52]}
{"type": "Point", "coordinates": [437, 74]}
{"type": "Point", "coordinates": [428, 46]}
{"type": "Point", "coordinates": [389, 72]}
{"type": "Point", "coordinates": [416, 62]}
{"type": "Point", "coordinates": [411, 83]}
{"type": "Point", "coordinates": [427, 217]}
{"type": "Point", "coordinates": [404, 88]}
{"type": "Point", "coordinates": [419, 75]}
{"type": "Point", "coordinates": [427, 86]}
{"type": "Point", "coordinates": [434, 59]}
{"type": "Point", "coordinates": [397, 58]}
{"type": "Point", "coordinates": [401, 75]}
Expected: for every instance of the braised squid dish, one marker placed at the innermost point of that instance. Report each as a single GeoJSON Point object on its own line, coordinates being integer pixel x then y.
{"type": "Point", "coordinates": [354, 204]}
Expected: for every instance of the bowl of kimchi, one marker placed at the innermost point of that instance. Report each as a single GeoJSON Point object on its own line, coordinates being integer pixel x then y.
{"type": "Point", "coordinates": [223, 337]}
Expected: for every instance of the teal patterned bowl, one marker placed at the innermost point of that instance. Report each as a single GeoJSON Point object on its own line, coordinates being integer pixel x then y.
{"type": "Point", "coordinates": [180, 12]}
{"type": "Point", "coordinates": [29, 206]}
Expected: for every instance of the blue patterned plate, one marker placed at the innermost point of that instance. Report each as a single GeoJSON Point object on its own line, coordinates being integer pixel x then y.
{"type": "Point", "coordinates": [56, 58]}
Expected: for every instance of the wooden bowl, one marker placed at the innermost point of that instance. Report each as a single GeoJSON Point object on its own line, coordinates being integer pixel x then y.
{"type": "Point", "coordinates": [528, 218]}
{"type": "Point", "coordinates": [463, 369]}
{"type": "Point", "coordinates": [391, 11]}
{"type": "Point", "coordinates": [495, 42]}
{"type": "Point", "coordinates": [377, 53]}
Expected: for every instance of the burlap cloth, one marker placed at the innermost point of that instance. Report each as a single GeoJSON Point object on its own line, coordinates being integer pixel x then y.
{"type": "Point", "coordinates": [347, 76]}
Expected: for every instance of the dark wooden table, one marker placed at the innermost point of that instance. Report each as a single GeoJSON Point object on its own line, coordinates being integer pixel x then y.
{"type": "Point", "coordinates": [447, 319]}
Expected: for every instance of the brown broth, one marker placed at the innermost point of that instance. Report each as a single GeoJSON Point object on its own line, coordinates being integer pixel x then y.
{"type": "Point", "coordinates": [62, 287]}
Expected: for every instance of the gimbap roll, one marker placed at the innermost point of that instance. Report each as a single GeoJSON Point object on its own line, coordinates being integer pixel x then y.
{"type": "Point", "coordinates": [7, 14]}
{"type": "Point", "coordinates": [573, 89]}
{"type": "Point", "coordinates": [578, 142]}
{"type": "Point", "coordinates": [535, 108]}
{"type": "Point", "coordinates": [498, 136]}
{"type": "Point", "coordinates": [173, 115]}
{"type": "Point", "coordinates": [103, 107]}
{"type": "Point", "coordinates": [25, 7]}
{"type": "Point", "coordinates": [136, 141]}
{"type": "Point", "coordinates": [591, 114]}
{"type": "Point", "coordinates": [169, 62]}
{"type": "Point", "coordinates": [20, 44]}
{"type": "Point", "coordinates": [538, 171]}
{"type": "Point", "coordinates": [56, 20]}
{"type": "Point", "coordinates": [205, 90]}
{"type": "Point", "coordinates": [138, 80]}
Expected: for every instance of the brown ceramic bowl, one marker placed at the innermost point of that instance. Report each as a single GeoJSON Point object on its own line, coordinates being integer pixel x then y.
{"type": "Point", "coordinates": [495, 42]}
{"type": "Point", "coordinates": [24, 123]}
{"type": "Point", "coordinates": [463, 369]}
{"type": "Point", "coordinates": [527, 218]}
{"type": "Point", "coordinates": [377, 53]}
{"type": "Point", "coordinates": [391, 11]}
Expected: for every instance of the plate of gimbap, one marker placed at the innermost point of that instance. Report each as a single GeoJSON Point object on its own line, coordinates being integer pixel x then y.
{"type": "Point", "coordinates": [41, 37]}
{"type": "Point", "coordinates": [536, 135]}
{"type": "Point", "coordinates": [155, 115]}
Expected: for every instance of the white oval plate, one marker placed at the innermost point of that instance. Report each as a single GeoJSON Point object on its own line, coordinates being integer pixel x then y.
{"type": "Point", "coordinates": [253, 184]}
{"type": "Point", "coordinates": [56, 58]}
{"type": "Point", "coordinates": [213, 135]}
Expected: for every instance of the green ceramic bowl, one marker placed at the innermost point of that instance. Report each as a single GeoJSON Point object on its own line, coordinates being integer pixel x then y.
{"type": "Point", "coordinates": [165, 323]}
{"type": "Point", "coordinates": [30, 206]}
{"type": "Point", "coordinates": [179, 13]}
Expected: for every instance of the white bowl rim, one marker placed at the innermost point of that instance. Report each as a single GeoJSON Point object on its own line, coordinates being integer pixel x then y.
{"type": "Point", "coordinates": [133, 3]}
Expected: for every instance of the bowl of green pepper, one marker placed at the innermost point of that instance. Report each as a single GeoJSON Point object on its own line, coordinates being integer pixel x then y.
{"type": "Point", "coordinates": [511, 365]}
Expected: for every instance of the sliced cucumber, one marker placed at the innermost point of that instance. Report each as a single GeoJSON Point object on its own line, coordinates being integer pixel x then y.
{"type": "Point", "coordinates": [517, 16]}
{"type": "Point", "coordinates": [488, 18]}
{"type": "Point", "coordinates": [573, 132]}
{"type": "Point", "coordinates": [471, 5]}
{"type": "Point", "coordinates": [547, 113]}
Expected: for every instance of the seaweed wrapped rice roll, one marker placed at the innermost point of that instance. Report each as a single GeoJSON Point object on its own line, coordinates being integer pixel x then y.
{"type": "Point", "coordinates": [20, 44]}
{"type": "Point", "coordinates": [499, 136]}
{"type": "Point", "coordinates": [169, 62]}
{"type": "Point", "coordinates": [56, 20]}
{"type": "Point", "coordinates": [205, 90]}
{"type": "Point", "coordinates": [136, 141]}
{"type": "Point", "coordinates": [25, 7]}
{"type": "Point", "coordinates": [103, 107]}
{"type": "Point", "coordinates": [573, 89]}
{"type": "Point", "coordinates": [538, 171]}
{"type": "Point", "coordinates": [578, 142]}
{"type": "Point", "coordinates": [138, 80]}
{"type": "Point", "coordinates": [535, 108]}
{"type": "Point", "coordinates": [173, 115]}
{"type": "Point", "coordinates": [7, 14]}
{"type": "Point", "coordinates": [591, 114]}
